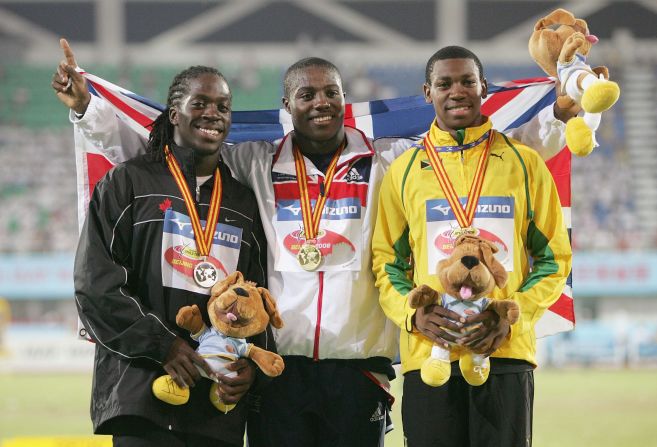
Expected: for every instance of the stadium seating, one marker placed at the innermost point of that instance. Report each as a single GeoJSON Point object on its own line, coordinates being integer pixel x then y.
{"type": "Point", "coordinates": [33, 124]}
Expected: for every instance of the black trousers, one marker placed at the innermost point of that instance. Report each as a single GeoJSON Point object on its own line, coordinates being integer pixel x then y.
{"type": "Point", "coordinates": [139, 432]}
{"type": "Point", "coordinates": [497, 414]}
{"type": "Point", "coordinates": [319, 404]}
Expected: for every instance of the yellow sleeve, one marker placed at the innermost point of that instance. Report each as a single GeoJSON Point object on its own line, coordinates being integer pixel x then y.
{"type": "Point", "coordinates": [391, 252]}
{"type": "Point", "coordinates": [548, 245]}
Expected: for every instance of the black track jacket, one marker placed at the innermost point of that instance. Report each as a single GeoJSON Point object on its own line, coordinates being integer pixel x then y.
{"type": "Point", "coordinates": [128, 311]}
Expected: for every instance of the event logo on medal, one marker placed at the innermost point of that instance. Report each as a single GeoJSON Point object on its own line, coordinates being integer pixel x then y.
{"type": "Point", "coordinates": [335, 249]}
{"type": "Point", "coordinates": [493, 221]}
{"type": "Point", "coordinates": [337, 241]}
{"type": "Point", "coordinates": [445, 240]}
{"type": "Point", "coordinates": [183, 267]}
{"type": "Point", "coordinates": [205, 271]}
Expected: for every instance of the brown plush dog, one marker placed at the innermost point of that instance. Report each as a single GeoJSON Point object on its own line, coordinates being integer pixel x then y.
{"type": "Point", "coordinates": [467, 276]}
{"type": "Point", "coordinates": [237, 309]}
{"type": "Point", "coordinates": [559, 45]}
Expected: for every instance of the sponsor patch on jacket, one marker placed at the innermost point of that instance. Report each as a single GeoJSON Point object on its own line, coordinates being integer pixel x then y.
{"type": "Point", "coordinates": [339, 239]}
{"type": "Point", "coordinates": [179, 255]}
{"type": "Point", "coordinates": [493, 221]}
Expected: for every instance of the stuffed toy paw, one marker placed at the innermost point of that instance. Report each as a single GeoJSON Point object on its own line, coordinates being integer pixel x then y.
{"type": "Point", "coordinates": [589, 87]}
{"type": "Point", "coordinates": [475, 368]}
{"type": "Point", "coordinates": [165, 389]}
{"type": "Point", "coordinates": [218, 403]}
{"type": "Point", "coordinates": [579, 137]}
{"type": "Point", "coordinates": [436, 370]}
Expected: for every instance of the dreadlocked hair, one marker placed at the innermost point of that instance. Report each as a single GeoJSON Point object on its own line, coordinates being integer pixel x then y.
{"type": "Point", "coordinates": [161, 129]}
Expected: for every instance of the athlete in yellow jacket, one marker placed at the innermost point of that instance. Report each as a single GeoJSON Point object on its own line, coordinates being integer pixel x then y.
{"type": "Point", "coordinates": [518, 209]}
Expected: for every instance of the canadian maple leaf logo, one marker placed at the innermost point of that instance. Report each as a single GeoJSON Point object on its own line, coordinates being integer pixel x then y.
{"type": "Point", "coordinates": [165, 205]}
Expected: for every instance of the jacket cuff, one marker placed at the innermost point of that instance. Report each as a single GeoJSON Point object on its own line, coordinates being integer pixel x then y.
{"type": "Point", "coordinates": [409, 325]}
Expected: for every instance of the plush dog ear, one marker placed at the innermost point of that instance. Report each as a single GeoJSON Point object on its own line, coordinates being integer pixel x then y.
{"type": "Point", "coordinates": [271, 309]}
{"type": "Point", "coordinates": [225, 283]}
{"type": "Point", "coordinates": [581, 26]}
{"type": "Point", "coordinates": [557, 17]}
{"type": "Point", "coordinates": [498, 271]}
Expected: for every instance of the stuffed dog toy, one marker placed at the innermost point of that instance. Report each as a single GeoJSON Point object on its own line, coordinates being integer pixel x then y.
{"type": "Point", "coordinates": [467, 276]}
{"type": "Point", "coordinates": [559, 45]}
{"type": "Point", "coordinates": [237, 309]}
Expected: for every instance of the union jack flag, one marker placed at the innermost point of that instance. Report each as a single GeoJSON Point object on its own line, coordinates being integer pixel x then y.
{"type": "Point", "coordinates": [508, 104]}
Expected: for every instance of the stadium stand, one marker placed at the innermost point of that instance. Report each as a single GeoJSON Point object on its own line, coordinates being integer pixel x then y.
{"type": "Point", "coordinates": [604, 212]}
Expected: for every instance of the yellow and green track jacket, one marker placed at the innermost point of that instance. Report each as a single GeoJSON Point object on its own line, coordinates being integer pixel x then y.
{"type": "Point", "coordinates": [519, 210]}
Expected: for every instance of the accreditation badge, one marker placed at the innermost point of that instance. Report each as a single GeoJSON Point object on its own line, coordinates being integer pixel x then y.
{"type": "Point", "coordinates": [183, 267]}
{"type": "Point", "coordinates": [337, 245]}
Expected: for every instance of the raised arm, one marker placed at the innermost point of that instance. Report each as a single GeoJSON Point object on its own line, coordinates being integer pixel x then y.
{"type": "Point", "coordinates": [94, 120]}
{"type": "Point", "coordinates": [546, 131]}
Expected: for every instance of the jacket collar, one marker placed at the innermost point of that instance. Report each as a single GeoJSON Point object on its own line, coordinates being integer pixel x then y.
{"type": "Point", "coordinates": [186, 159]}
{"type": "Point", "coordinates": [358, 146]}
{"type": "Point", "coordinates": [440, 137]}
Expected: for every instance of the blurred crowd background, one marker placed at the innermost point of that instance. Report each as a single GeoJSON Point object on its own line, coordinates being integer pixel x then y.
{"type": "Point", "coordinates": [381, 47]}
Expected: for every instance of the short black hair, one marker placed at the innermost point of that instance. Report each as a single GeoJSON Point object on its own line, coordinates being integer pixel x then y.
{"type": "Point", "coordinates": [292, 72]}
{"type": "Point", "coordinates": [452, 52]}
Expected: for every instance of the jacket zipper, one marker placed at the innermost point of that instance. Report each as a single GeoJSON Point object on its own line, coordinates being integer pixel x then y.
{"type": "Point", "coordinates": [318, 324]}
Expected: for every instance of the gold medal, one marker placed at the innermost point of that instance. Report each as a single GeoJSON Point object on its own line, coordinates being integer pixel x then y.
{"type": "Point", "coordinates": [309, 257]}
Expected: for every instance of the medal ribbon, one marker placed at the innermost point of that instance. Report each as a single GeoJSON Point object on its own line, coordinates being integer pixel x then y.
{"type": "Point", "coordinates": [312, 217]}
{"type": "Point", "coordinates": [202, 236]}
{"type": "Point", "coordinates": [463, 216]}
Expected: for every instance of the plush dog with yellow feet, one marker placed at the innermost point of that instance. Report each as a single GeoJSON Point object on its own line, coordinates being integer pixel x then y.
{"type": "Point", "coordinates": [468, 276]}
{"type": "Point", "coordinates": [237, 309]}
{"type": "Point", "coordinates": [559, 45]}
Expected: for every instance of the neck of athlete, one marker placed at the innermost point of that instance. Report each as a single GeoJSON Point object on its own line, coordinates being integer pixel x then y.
{"type": "Point", "coordinates": [205, 164]}
{"type": "Point", "coordinates": [310, 146]}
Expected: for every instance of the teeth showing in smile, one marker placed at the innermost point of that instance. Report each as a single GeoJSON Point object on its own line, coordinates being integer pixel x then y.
{"type": "Point", "coordinates": [322, 119]}
{"type": "Point", "coordinates": [459, 108]}
{"type": "Point", "coordinates": [211, 132]}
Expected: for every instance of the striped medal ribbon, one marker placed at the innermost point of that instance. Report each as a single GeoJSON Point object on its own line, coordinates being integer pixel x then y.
{"type": "Point", "coordinates": [309, 256]}
{"type": "Point", "coordinates": [464, 216]}
{"type": "Point", "coordinates": [205, 273]}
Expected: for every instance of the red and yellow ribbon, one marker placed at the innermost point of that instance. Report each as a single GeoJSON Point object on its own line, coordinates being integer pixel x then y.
{"type": "Point", "coordinates": [202, 236]}
{"type": "Point", "coordinates": [464, 216]}
{"type": "Point", "coordinates": [311, 217]}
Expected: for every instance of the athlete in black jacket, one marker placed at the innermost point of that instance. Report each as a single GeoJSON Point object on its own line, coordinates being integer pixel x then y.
{"type": "Point", "coordinates": [139, 260]}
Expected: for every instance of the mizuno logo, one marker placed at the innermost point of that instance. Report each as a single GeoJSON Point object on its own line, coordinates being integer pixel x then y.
{"type": "Point", "coordinates": [181, 225]}
{"type": "Point", "coordinates": [293, 209]}
{"type": "Point", "coordinates": [443, 209]}
{"type": "Point", "coordinates": [494, 208]}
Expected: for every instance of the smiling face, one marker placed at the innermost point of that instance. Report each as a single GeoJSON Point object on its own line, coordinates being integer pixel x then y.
{"type": "Point", "coordinates": [456, 90]}
{"type": "Point", "coordinates": [202, 118]}
{"type": "Point", "coordinates": [316, 103]}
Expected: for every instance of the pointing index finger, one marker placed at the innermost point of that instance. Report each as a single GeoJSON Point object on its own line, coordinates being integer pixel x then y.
{"type": "Point", "coordinates": [68, 53]}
